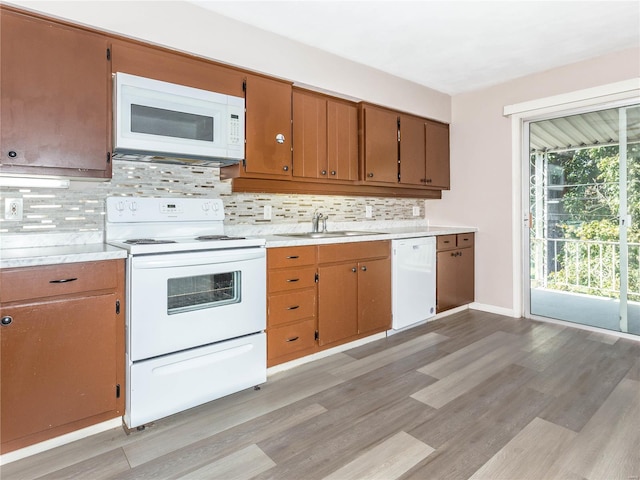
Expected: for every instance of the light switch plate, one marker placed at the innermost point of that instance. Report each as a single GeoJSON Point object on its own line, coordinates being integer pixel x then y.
{"type": "Point", "coordinates": [13, 209]}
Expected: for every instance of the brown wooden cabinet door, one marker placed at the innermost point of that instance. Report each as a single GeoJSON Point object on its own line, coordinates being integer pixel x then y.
{"type": "Point", "coordinates": [55, 99]}
{"type": "Point", "coordinates": [342, 141]}
{"type": "Point", "coordinates": [58, 364]}
{"type": "Point", "coordinates": [309, 135]}
{"type": "Point", "coordinates": [454, 278]}
{"type": "Point", "coordinates": [337, 302]}
{"type": "Point", "coordinates": [437, 148]}
{"type": "Point", "coordinates": [412, 150]}
{"type": "Point", "coordinates": [380, 149]}
{"type": "Point", "coordinates": [268, 127]}
{"type": "Point", "coordinates": [374, 295]}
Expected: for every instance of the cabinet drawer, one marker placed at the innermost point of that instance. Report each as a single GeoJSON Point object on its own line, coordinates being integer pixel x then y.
{"type": "Point", "coordinates": [292, 306]}
{"type": "Point", "coordinates": [291, 279]}
{"type": "Point", "coordinates": [445, 242]}
{"type": "Point", "coordinates": [291, 256]}
{"type": "Point", "coordinates": [344, 252]}
{"type": "Point", "coordinates": [465, 240]}
{"type": "Point", "coordinates": [47, 281]}
{"type": "Point", "coordinates": [291, 338]}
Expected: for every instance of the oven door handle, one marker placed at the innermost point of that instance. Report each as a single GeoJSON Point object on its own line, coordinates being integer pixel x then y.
{"type": "Point", "coordinates": [193, 259]}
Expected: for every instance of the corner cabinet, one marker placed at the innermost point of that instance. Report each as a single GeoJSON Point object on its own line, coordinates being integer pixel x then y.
{"type": "Point", "coordinates": [454, 271]}
{"type": "Point", "coordinates": [62, 349]}
{"type": "Point", "coordinates": [424, 152]}
{"type": "Point", "coordinates": [55, 99]}
{"type": "Point", "coordinates": [354, 291]}
{"type": "Point", "coordinates": [268, 127]}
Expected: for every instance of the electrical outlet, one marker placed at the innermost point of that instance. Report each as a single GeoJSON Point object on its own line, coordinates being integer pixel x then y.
{"type": "Point", "coordinates": [267, 212]}
{"type": "Point", "coordinates": [13, 209]}
{"type": "Point", "coordinates": [368, 211]}
{"type": "Point", "coordinates": [416, 211]}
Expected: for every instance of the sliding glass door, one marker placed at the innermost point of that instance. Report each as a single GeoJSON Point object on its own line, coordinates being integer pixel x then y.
{"type": "Point", "coordinates": [584, 228]}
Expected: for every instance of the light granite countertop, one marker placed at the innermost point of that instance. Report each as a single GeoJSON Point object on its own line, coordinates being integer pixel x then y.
{"type": "Point", "coordinates": [34, 254]}
{"type": "Point", "coordinates": [52, 255]}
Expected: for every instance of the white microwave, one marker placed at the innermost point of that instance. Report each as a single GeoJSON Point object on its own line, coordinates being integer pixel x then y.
{"type": "Point", "coordinates": [168, 120]}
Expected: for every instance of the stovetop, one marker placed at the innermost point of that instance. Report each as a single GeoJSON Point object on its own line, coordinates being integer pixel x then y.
{"type": "Point", "coordinates": [165, 225]}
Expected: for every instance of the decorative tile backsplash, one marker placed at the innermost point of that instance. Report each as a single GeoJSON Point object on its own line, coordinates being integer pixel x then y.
{"type": "Point", "coordinates": [81, 208]}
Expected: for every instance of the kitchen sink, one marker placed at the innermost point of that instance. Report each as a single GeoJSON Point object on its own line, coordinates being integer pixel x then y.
{"type": "Point", "coordinates": [339, 233]}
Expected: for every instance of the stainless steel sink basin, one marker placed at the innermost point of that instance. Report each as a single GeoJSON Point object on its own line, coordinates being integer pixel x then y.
{"type": "Point", "coordinates": [342, 233]}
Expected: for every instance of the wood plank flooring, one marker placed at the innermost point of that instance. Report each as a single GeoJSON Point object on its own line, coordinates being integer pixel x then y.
{"type": "Point", "coordinates": [469, 396]}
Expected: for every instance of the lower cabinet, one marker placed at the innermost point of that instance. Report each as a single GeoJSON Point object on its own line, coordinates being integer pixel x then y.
{"type": "Point", "coordinates": [291, 303]}
{"type": "Point", "coordinates": [455, 271]}
{"type": "Point", "coordinates": [326, 295]}
{"type": "Point", "coordinates": [354, 290]}
{"type": "Point", "coordinates": [62, 349]}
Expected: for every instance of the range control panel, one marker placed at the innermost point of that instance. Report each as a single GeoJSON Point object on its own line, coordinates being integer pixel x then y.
{"type": "Point", "coordinates": [134, 209]}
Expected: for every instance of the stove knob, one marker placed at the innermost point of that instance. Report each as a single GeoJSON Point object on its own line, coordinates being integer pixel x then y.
{"type": "Point", "coordinates": [120, 206]}
{"type": "Point", "coordinates": [133, 206]}
{"type": "Point", "coordinates": [216, 207]}
{"type": "Point", "coordinates": [205, 206]}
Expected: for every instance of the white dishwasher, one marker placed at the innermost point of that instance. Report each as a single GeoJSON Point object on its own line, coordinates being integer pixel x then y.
{"type": "Point", "coordinates": [413, 273]}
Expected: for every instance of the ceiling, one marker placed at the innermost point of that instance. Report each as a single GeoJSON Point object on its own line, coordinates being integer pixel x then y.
{"type": "Point", "coordinates": [450, 46]}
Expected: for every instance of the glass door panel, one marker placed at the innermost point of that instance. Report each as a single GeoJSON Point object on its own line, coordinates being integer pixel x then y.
{"type": "Point", "coordinates": [583, 188]}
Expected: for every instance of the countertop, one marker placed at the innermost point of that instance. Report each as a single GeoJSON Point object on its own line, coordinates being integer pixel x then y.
{"type": "Point", "coordinates": [35, 256]}
{"type": "Point", "coordinates": [30, 256]}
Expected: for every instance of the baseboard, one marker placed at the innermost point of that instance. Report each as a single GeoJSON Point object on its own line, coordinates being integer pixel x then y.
{"type": "Point", "coordinates": [483, 307]}
{"type": "Point", "coordinates": [59, 441]}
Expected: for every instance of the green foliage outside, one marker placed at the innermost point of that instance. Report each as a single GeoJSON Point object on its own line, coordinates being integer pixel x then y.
{"type": "Point", "coordinates": [591, 201]}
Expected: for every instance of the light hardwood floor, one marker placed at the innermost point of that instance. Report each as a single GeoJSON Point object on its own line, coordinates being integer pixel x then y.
{"type": "Point", "coordinates": [472, 395]}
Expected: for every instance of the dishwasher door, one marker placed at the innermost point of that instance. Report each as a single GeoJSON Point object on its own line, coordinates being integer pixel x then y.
{"type": "Point", "coordinates": [413, 280]}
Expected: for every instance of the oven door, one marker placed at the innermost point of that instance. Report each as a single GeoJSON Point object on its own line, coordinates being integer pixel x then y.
{"type": "Point", "coordinates": [179, 301]}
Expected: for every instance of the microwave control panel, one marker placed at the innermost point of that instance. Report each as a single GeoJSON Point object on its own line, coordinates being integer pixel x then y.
{"type": "Point", "coordinates": [234, 129]}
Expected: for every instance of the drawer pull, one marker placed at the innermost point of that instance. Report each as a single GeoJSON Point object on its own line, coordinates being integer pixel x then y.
{"type": "Point", "coordinates": [63, 280]}
{"type": "Point", "coordinates": [293, 279]}
{"type": "Point", "coordinates": [446, 241]}
{"type": "Point", "coordinates": [292, 339]}
{"type": "Point", "coordinates": [292, 257]}
{"type": "Point", "coordinates": [293, 307]}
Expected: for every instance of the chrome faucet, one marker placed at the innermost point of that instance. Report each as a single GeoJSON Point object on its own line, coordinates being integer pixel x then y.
{"type": "Point", "coordinates": [316, 222]}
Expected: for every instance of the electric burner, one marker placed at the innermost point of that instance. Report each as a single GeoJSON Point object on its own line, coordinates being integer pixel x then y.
{"type": "Point", "coordinates": [147, 241]}
{"type": "Point", "coordinates": [218, 237]}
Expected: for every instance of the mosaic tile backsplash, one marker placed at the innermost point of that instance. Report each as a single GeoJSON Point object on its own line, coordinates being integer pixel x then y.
{"type": "Point", "coordinates": [81, 208]}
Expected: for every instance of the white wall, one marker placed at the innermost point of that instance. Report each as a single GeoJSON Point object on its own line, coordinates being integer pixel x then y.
{"type": "Point", "coordinates": [481, 163]}
{"type": "Point", "coordinates": [187, 27]}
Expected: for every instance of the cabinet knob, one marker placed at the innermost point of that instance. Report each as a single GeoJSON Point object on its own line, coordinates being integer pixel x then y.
{"type": "Point", "coordinates": [333, 172]}
{"type": "Point", "coordinates": [6, 320]}
{"type": "Point", "coordinates": [370, 174]}
{"type": "Point", "coordinates": [323, 172]}
{"type": "Point", "coordinates": [285, 168]}
{"type": "Point", "coordinates": [354, 269]}
{"type": "Point", "coordinates": [13, 154]}
{"type": "Point", "coordinates": [364, 268]}
{"type": "Point", "coordinates": [279, 138]}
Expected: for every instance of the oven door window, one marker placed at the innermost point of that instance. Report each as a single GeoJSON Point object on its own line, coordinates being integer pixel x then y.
{"type": "Point", "coordinates": [203, 291]}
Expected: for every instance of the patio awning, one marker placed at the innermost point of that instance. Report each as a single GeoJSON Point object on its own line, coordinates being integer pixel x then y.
{"type": "Point", "coordinates": [583, 131]}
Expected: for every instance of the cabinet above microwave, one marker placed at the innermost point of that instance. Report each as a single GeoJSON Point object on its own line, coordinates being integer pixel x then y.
{"type": "Point", "coordinates": [174, 122]}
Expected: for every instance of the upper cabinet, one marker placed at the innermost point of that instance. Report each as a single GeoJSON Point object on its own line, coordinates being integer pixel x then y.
{"type": "Point", "coordinates": [181, 69]}
{"type": "Point", "coordinates": [378, 144]}
{"type": "Point", "coordinates": [325, 137]}
{"type": "Point", "coordinates": [55, 99]}
{"type": "Point", "coordinates": [424, 152]}
{"type": "Point", "coordinates": [268, 127]}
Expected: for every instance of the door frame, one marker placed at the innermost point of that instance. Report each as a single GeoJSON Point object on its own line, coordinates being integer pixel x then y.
{"type": "Point", "coordinates": [580, 101]}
